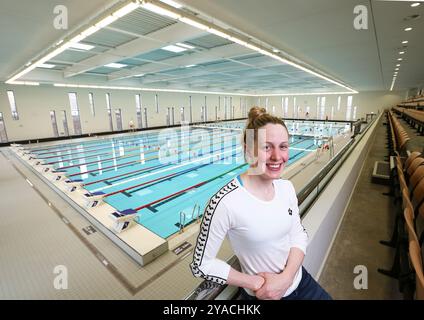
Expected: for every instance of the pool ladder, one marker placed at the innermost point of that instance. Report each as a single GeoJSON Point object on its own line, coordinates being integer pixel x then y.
{"type": "Point", "coordinates": [183, 217]}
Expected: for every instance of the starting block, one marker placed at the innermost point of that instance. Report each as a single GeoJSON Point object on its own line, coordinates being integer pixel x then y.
{"type": "Point", "coordinates": [93, 199]}
{"type": "Point", "coordinates": [122, 220]}
{"type": "Point", "coordinates": [72, 185]}
{"type": "Point", "coordinates": [31, 156]}
{"type": "Point", "coordinates": [47, 168]}
{"type": "Point", "coordinates": [57, 175]}
{"type": "Point", "coordinates": [16, 147]}
{"type": "Point", "coordinates": [28, 156]}
{"type": "Point", "coordinates": [36, 162]}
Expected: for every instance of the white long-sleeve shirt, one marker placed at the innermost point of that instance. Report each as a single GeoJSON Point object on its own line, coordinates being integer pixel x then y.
{"type": "Point", "coordinates": [261, 232]}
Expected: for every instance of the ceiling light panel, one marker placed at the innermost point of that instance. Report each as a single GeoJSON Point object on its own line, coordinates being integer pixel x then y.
{"type": "Point", "coordinates": [173, 48]}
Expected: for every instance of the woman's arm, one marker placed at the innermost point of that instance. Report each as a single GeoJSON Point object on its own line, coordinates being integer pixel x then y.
{"type": "Point", "coordinates": [276, 284]}
{"type": "Point", "coordinates": [239, 279]}
{"type": "Point", "coordinates": [215, 225]}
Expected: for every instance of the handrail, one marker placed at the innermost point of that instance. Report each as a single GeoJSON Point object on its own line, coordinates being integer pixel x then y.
{"type": "Point", "coordinates": [182, 221]}
{"type": "Point", "coordinates": [209, 290]}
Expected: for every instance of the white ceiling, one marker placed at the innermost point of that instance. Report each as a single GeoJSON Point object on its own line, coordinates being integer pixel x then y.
{"type": "Point", "coordinates": [319, 32]}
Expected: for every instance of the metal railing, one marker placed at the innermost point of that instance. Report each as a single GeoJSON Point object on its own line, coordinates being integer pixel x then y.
{"type": "Point", "coordinates": [194, 217]}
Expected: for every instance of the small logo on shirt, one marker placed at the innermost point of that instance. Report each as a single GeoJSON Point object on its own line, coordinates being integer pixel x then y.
{"type": "Point", "coordinates": [290, 211]}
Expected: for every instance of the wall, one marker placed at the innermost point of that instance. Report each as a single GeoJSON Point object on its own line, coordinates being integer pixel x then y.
{"type": "Point", "coordinates": [366, 102]}
{"type": "Point", "coordinates": [35, 103]}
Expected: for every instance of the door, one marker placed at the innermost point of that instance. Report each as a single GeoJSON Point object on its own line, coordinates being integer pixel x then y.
{"type": "Point", "coordinates": [145, 118]}
{"type": "Point", "coordinates": [65, 123]}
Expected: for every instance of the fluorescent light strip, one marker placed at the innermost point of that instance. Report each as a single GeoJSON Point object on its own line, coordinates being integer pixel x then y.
{"type": "Point", "coordinates": [173, 48]}
{"type": "Point", "coordinates": [168, 11]}
{"type": "Point", "coordinates": [195, 24]}
{"type": "Point", "coordinates": [92, 29]}
{"type": "Point", "coordinates": [126, 9]}
{"type": "Point", "coordinates": [146, 89]}
{"type": "Point", "coordinates": [172, 3]}
{"type": "Point", "coordinates": [202, 92]}
{"type": "Point", "coordinates": [81, 46]}
{"type": "Point", "coordinates": [184, 45]}
{"type": "Point", "coordinates": [154, 8]}
{"type": "Point", "coordinates": [26, 83]}
{"type": "Point", "coordinates": [393, 83]}
{"type": "Point", "coordinates": [115, 65]}
{"type": "Point", "coordinates": [302, 94]}
{"type": "Point", "coordinates": [46, 65]}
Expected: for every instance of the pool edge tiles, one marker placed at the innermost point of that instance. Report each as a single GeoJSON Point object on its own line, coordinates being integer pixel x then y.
{"type": "Point", "coordinates": [143, 241]}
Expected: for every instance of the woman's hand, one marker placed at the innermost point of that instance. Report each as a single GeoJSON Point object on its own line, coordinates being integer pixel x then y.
{"type": "Point", "coordinates": [256, 282]}
{"type": "Point", "coordinates": [275, 286]}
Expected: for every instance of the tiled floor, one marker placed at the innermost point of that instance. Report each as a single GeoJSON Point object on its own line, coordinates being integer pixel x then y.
{"type": "Point", "coordinates": [368, 219]}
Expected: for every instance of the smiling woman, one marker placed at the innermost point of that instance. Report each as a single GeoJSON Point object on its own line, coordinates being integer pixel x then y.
{"type": "Point", "coordinates": [259, 213]}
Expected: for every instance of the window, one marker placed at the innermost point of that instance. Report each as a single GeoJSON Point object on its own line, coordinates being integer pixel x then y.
{"type": "Point", "coordinates": [308, 112]}
{"type": "Point", "coordinates": [322, 113]}
{"type": "Point", "coordinates": [54, 123]}
{"type": "Point", "coordinates": [157, 103]}
{"type": "Point", "coordinates": [205, 117]}
{"type": "Point", "coordinates": [354, 113]}
{"type": "Point", "coordinates": [349, 101]}
{"type": "Point", "coordinates": [91, 99]}
{"type": "Point", "coordinates": [294, 107]}
{"type": "Point", "coordinates": [12, 103]}
{"type": "Point", "coordinates": [75, 112]}
{"type": "Point", "coordinates": [3, 135]}
{"type": "Point", "coordinates": [65, 123]}
{"type": "Point", "coordinates": [145, 118]}
{"type": "Point", "coordinates": [225, 108]}
{"type": "Point", "coordinates": [138, 110]}
{"type": "Point", "coordinates": [191, 109]}
{"type": "Point", "coordinates": [286, 106]}
{"type": "Point", "coordinates": [339, 101]}
{"type": "Point", "coordinates": [317, 107]}
{"type": "Point", "coordinates": [349, 108]}
{"type": "Point", "coordinates": [241, 107]}
{"type": "Point", "coordinates": [182, 115]}
{"type": "Point", "coordinates": [118, 117]}
{"type": "Point", "coordinates": [173, 115]}
{"type": "Point", "coordinates": [109, 111]}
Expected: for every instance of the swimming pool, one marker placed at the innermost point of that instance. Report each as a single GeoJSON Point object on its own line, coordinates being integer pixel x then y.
{"type": "Point", "coordinates": [167, 176]}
